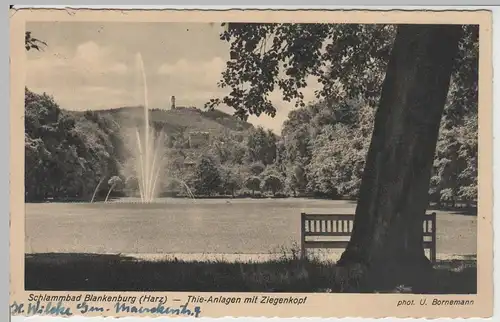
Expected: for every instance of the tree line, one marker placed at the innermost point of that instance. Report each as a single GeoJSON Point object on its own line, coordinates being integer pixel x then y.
{"type": "Point", "coordinates": [66, 153]}
{"type": "Point", "coordinates": [320, 153]}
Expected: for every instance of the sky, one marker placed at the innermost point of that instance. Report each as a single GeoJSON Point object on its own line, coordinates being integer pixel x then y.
{"type": "Point", "coordinates": [94, 65]}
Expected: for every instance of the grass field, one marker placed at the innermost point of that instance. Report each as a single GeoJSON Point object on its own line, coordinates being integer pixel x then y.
{"type": "Point", "coordinates": [180, 226]}
{"type": "Point", "coordinates": [82, 246]}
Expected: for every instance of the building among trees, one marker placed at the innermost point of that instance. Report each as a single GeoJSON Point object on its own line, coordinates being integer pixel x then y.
{"type": "Point", "coordinates": [198, 139]}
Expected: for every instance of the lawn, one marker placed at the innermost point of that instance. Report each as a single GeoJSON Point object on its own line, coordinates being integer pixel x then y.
{"type": "Point", "coordinates": [82, 246]}
{"type": "Point", "coordinates": [180, 226]}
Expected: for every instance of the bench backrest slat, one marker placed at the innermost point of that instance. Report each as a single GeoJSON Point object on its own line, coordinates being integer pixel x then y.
{"type": "Point", "coordinates": [327, 225]}
{"type": "Point", "coordinates": [341, 225]}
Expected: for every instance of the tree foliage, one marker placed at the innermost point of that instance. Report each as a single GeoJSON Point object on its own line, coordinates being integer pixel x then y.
{"type": "Point", "coordinates": [31, 42]}
{"type": "Point", "coordinates": [208, 177]}
{"type": "Point", "coordinates": [72, 151]}
{"type": "Point", "coordinates": [253, 184]}
{"type": "Point", "coordinates": [257, 168]}
{"type": "Point", "coordinates": [261, 146]}
{"type": "Point", "coordinates": [272, 183]}
{"type": "Point", "coordinates": [455, 165]}
{"type": "Point", "coordinates": [231, 180]}
{"type": "Point", "coordinates": [349, 61]}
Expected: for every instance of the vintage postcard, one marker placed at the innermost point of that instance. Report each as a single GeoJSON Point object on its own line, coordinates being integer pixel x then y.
{"type": "Point", "coordinates": [251, 163]}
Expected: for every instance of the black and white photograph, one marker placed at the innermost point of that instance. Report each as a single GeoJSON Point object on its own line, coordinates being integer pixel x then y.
{"type": "Point", "coordinates": [279, 157]}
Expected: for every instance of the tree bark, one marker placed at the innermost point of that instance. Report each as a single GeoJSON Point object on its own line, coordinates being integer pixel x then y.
{"type": "Point", "coordinates": [386, 242]}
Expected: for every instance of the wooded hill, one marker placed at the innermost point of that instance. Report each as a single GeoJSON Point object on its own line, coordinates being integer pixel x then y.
{"type": "Point", "coordinates": [68, 152]}
{"type": "Point", "coordinates": [321, 152]}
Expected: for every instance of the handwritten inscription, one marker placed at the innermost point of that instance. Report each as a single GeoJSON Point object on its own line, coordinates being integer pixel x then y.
{"type": "Point", "coordinates": [105, 304]}
{"type": "Point", "coordinates": [59, 309]}
{"type": "Point", "coordinates": [38, 309]}
{"type": "Point", "coordinates": [159, 309]}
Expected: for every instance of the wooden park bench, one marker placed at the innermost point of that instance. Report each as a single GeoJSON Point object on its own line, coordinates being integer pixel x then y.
{"type": "Point", "coordinates": [338, 228]}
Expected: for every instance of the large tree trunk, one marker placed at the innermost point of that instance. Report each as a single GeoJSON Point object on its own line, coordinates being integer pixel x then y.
{"type": "Point", "coordinates": [386, 242]}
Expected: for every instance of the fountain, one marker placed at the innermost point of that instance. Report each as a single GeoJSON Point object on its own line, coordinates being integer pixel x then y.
{"type": "Point", "coordinates": [97, 188]}
{"type": "Point", "coordinates": [149, 149]}
{"type": "Point", "coordinates": [148, 152]}
{"type": "Point", "coordinates": [188, 190]}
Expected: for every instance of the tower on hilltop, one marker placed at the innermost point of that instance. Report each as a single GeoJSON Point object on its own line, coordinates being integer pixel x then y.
{"type": "Point", "coordinates": [172, 101]}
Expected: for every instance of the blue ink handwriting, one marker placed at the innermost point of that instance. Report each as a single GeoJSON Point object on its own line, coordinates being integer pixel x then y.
{"type": "Point", "coordinates": [158, 309]}
{"type": "Point", "coordinates": [38, 309]}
